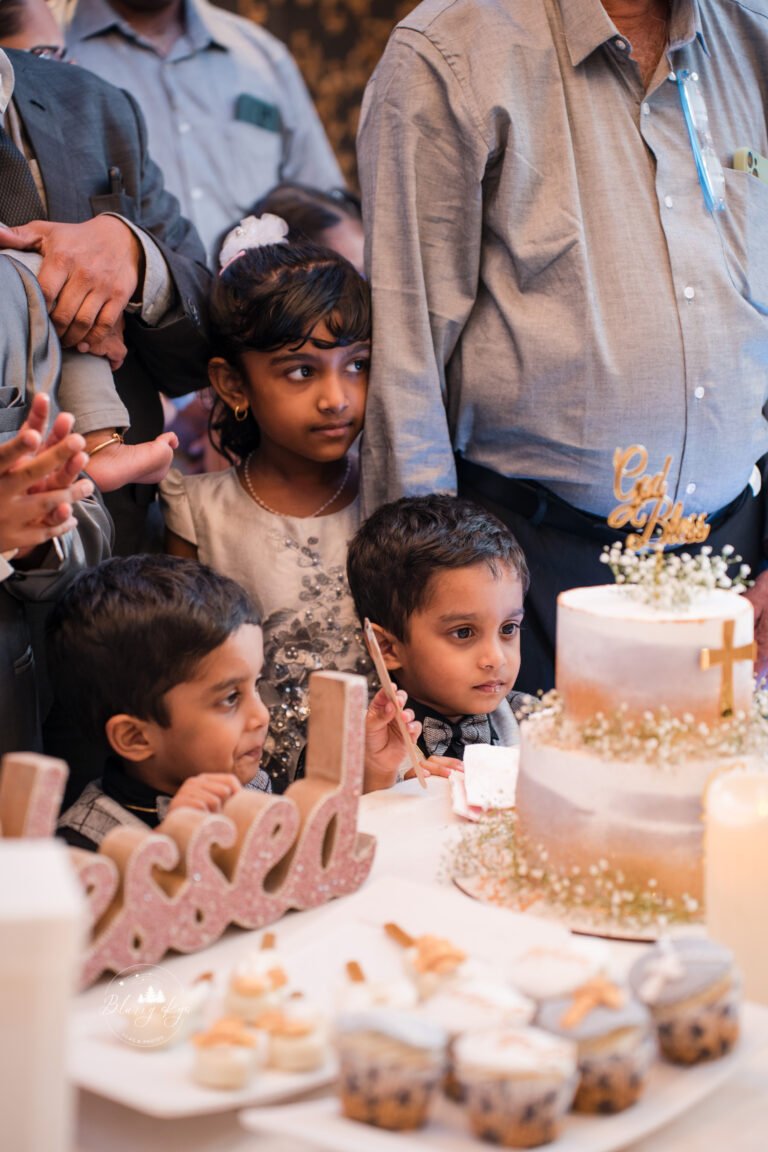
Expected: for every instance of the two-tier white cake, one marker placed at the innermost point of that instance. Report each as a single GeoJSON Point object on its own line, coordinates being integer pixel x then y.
{"type": "Point", "coordinates": [614, 781]}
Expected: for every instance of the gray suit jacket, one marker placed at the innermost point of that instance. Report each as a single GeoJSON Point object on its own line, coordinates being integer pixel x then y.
{"type": "Point", "coordinates": [89, 139]}
{"type": "Point", "coordinates": [29, 350]}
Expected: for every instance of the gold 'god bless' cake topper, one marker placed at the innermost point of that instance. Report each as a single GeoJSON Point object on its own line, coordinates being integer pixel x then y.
{"type": "Point", "coordinates": [645, 504]}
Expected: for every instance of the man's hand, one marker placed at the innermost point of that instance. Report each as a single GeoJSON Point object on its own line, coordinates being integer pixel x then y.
{"type": "Point", "coordinates": [206, 792]}
{"type": "Point", "coordinates": [89, 273]}
{"type": "Point", "coordinates": [38, 480]}
{"type": "Point", "coordinates": [758, 595]}
{"type": "Point", "coordinates": [385, 751]}
{"type": "Point", "coordinates": [112, 348]}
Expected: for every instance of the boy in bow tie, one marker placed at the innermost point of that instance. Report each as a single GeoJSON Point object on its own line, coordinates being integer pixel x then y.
{"type": "Point", "coordinates": [443, 581]}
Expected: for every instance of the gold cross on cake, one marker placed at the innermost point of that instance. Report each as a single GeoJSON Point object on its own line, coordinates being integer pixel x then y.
{"type": "Point", "coordinates": [726, 657]}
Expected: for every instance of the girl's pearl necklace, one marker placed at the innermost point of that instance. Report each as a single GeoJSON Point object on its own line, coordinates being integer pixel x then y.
{"type": "Point", "coordinates": [257, 499]}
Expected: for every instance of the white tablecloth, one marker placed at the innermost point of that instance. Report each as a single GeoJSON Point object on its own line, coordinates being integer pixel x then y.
{"type": "Point", "coordinates": [411, 827]}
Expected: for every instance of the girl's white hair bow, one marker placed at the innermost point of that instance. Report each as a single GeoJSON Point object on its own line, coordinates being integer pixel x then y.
{"type": "Point", "coordinates": [252, 232]}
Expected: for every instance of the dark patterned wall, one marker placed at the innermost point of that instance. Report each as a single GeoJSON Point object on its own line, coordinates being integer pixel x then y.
{"type": "Point", "coordinates": [337, 44]}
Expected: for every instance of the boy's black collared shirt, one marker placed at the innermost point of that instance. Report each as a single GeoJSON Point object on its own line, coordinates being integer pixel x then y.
{"type": "Point", "coordinates": [133, 794]}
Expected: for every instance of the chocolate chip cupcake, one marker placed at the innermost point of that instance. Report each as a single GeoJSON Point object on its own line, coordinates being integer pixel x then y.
{"type": "Point", "coordinates": [390, 1064]}
{"type": "Point", "coordinates": [693, 991]}
{"type": "Point", "coordinates": [472, 1004]}
{"type": "Point", "coordinates": [615, 1043]}
{"type": "Point", "coordinates": [518, 1084]}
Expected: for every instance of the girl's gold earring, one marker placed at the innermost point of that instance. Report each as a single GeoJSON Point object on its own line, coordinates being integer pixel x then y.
{"type": "Point", "coordinates": [241, 412]}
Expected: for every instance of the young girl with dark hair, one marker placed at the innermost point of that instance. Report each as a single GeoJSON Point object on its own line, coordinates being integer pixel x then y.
{"type": "Point", "coordinates": [334, 219]}
{"type": "Point", "coordinates": [291, 326]}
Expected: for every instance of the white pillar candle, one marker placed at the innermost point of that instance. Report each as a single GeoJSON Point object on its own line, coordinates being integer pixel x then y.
{"type": "Point", "coordinates": [736, 873]}
{"type": "Point", "coordinates": [42, 917]}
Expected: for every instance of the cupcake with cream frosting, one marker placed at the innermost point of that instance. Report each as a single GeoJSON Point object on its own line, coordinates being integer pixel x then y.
{"type": "Point", "coordinates": [228, 1055]}
{"type": "Point", "coordinates": [693, 990]}
{"type": "Point", "coordinates": [557, 970]}
{"type": "Point", "coordinates": [359, 994]}
{"type": "Point", "coordinates": [518, 1084]}
{"type": "Point", "coordinates": [615, 1042]}
{"type": "Point", "coordinates": [298, 1036]}
{"type": "Point", "coordinates": [390, 1065]}
{"type": "Point", "coordinates": [256, 984]}
{"type": "Point", "coordinates": [471, 1003]}
{"type": "Point", "coordinates": [433, 962]}
{"type": "Point", "coordinates": [476, 1000]}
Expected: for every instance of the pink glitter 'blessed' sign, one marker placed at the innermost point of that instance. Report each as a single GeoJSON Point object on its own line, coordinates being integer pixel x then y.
{"type": "Point", "coordinates": [181, 885]}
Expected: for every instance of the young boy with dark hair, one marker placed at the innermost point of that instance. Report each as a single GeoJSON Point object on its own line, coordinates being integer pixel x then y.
{"type": "Point", "coordinates": [164, 656]}
{"type": "Point", "coordinates": [442, 581]}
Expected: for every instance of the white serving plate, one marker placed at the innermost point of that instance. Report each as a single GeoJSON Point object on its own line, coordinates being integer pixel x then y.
{"type": "Point", "coordinates": [157, 1081]}
{"type": "Point", "coordinates": [671, 1091]}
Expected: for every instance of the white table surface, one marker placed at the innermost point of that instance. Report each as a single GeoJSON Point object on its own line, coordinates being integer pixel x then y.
{"type": "Point", "coordinates": [411, 827]}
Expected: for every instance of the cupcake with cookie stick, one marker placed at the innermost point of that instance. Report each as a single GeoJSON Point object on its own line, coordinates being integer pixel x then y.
{"type": "Point", "coordinates": [228, 1055]}
{"type": "Point", "coordinates": [258, 982]}
{"type": "Point", "coordinates": [693, 990]}
{"type": "Point", "coordinates": [359, 994]}
{"type": "Point", "coordinates": [430, 961]}
{"type": "Point", "coordinates": [615, 1042]}
{"type": "Point", "coordinates": [298, 1036]}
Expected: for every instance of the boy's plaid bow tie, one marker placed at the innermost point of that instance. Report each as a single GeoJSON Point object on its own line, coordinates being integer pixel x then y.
{"type": "Point", "coordinates": [440, 735]}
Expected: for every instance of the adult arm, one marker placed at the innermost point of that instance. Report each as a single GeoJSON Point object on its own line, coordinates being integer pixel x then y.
{"type": "Point", "coordinates": [173, 346]}
{"type": "Point", "coordinates": [161, 275]}
{"type": "Point", "coordinates": [422, 159]}
{"type": "Point", "coordinates": [308, 157]}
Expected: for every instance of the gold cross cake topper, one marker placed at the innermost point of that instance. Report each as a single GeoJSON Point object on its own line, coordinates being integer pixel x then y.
{"type": "Point", "coordinates": [645, 504]}
{"type": "Point", "coordinates": [726, 657]}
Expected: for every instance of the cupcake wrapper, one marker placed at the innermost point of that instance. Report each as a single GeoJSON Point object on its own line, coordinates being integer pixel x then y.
{"type": "Point", "coordinates": [702, 1031]}
{"type": "Point", "coordinates": [395, 1098]}
{"type": "Point", "coordinates": [517, 1113]}
{"type": "Point", "coordinates": [613, 1081]}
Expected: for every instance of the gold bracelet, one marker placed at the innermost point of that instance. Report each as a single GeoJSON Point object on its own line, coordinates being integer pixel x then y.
{"type": "Point", "coordinates": [115, 438]}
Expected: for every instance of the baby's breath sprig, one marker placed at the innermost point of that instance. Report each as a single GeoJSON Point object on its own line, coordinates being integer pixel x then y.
{"type": "Point", "coordinates": [503, 868]}
{"type": "Point", "coordinates": [666, 580]}
{"type": "Point", "coordinates": [657, 737]}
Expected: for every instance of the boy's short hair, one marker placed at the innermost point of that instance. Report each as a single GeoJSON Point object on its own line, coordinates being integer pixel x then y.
{"type": "Point", "coordinates": [132, 628]}
{"type": "Point", "coordinates": [398, 550]}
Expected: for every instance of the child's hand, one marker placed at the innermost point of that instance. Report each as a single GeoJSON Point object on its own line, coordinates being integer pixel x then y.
{"type": "Point", "coordinates": [439, 766]}
{"type": "Point", "coordinates": [39, 481]}
{"type": "Point", "coordinates": [120, 464]}
{"type": "Point", "coordinates": [384, 747]}
{"type": "Point", "coordinates": [206, 792]}
{"type": "Point", "coordinates": [111, 347]}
